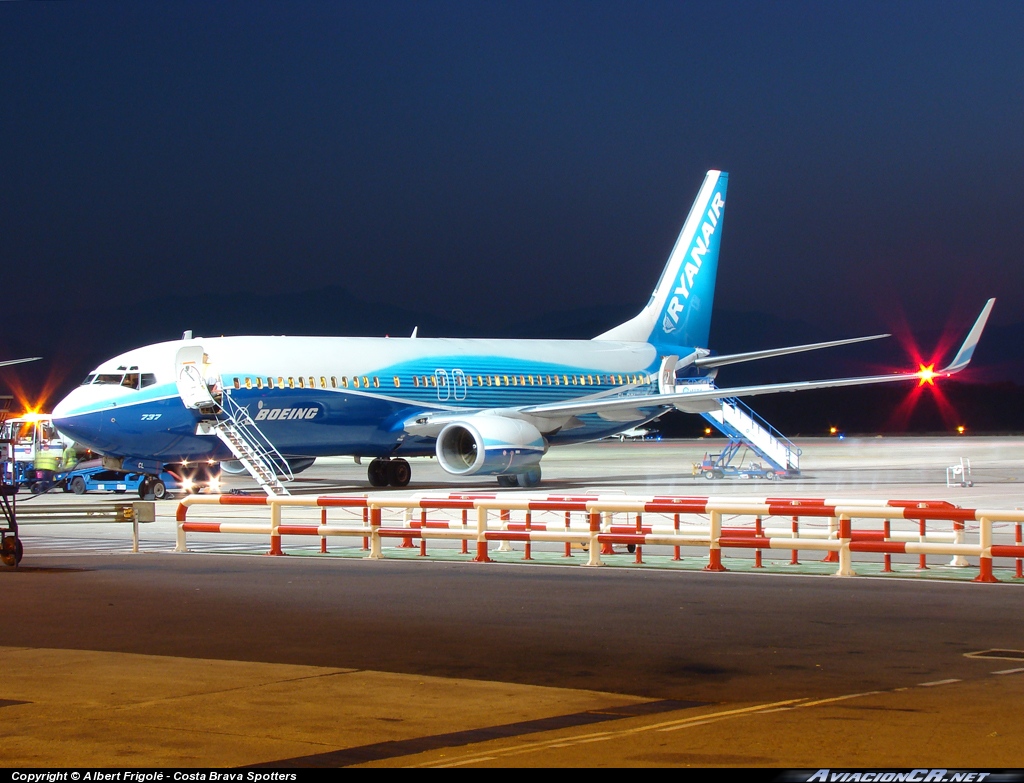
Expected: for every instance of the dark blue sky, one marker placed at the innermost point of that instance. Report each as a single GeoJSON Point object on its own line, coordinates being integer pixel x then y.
{"type": "Point", "coordinates": [500, 160]}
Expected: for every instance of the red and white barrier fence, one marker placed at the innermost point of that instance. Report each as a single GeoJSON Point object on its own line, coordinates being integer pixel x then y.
{"type": "Point", "coordinates": [592, 522]}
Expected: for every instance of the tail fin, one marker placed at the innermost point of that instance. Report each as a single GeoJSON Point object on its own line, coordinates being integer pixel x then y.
{"type": "Point", "coordinates": [679, 312]}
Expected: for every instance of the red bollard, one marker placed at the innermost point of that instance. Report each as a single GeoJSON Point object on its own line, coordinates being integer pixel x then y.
{"type": "Point", "coordinates": [323, 539]}
{"type": "Point", "coordinates": [796, 531]}
{"type": "Point", "coordinates": [366, 519]}
{"type": "Point", "coordinates": [465, 521]}
{"type": "Point", "coordinates": [568, 546]}
{"type": "Point", "coordinates": [923, 559]}
{"type": "Point", "coordinates": [639, 549]}
{"type": "Point", "coordinates": [481, 551]}
{"type": "Point", "coordinates": [526, 553]}
{"type": "Point", "coordinates": [758, 533]}
{"type": "Point", "coordinates": [675, 525]}
{"type": "Point", "coordinates": [887, 568]}
{"type": "Point", "coordinates": [1016, 538]}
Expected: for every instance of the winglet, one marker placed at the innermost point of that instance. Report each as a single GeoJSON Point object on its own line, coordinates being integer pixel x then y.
{"type": "Point", "coordinates": [963, 356]}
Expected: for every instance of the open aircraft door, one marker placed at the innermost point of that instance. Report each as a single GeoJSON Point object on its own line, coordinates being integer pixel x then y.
{"type": "Point", "coordinates": [191, 365]}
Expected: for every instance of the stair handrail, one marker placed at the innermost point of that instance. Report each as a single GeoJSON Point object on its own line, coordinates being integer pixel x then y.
{"type": "Point", "coordinates": [736, 402]}
{"type": "Point", "coordinates": [254, 438]}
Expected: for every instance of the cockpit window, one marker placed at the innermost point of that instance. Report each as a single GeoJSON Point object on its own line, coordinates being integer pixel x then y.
{"type": "Point", "coordinates": [130, 380]}
{"type": "Point", "coordinates": [89, 379]}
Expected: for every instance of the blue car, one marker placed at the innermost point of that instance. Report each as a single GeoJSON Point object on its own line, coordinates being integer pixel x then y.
{"type": "Point", "coordinates": [91, 476]}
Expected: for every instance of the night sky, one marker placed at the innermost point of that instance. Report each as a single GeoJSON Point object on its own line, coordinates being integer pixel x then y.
{"type": "Point", "coordinates": [498, 162]}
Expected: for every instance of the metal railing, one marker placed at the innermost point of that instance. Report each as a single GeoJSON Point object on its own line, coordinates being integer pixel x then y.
{"type": "Point", "coordinates": [669, 521]}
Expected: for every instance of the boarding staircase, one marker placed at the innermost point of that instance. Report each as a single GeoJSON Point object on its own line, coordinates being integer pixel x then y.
{"type": "Point", "coordinates": [222, 416]}
{"type": "Point", "coordinates": [738, 422]}
{"type": "Point", "coordinates": [236, 428]}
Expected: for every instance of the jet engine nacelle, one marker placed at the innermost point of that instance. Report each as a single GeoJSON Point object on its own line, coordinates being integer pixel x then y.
{"type": "Point", "coordinates": [489, 445]}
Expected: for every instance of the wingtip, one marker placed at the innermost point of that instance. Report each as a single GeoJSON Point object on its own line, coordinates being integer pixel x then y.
{"type": "Point", "coordinates": [966, 352]}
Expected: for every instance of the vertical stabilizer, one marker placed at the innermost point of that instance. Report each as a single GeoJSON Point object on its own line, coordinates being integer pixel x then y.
{"type": "Point", "coordinates": [679, 312]}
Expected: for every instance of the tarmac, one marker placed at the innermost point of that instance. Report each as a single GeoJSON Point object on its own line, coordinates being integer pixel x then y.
{"type": "Point", "coordinates": [73, 700]}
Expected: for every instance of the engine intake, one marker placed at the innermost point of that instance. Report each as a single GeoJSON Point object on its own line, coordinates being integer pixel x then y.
{"type": "Point", "coordinates": [489, 445]}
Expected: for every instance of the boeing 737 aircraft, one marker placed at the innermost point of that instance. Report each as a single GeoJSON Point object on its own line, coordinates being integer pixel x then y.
{"type": "Point", "coordinates": [482, 407]}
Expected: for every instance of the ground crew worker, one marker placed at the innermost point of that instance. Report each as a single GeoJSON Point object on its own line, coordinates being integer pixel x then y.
{"type": "Point", "coordinates": [44, 464]}
{"type": "Point", "coordinates": [70, 457]}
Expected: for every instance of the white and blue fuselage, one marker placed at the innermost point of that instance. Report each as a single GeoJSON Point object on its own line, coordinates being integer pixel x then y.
{"type": "Point", "coordinates": [324, 396]}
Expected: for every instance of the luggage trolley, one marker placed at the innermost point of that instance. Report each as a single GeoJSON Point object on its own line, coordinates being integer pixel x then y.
{"type": "Point", "coordinates": [11, 549]}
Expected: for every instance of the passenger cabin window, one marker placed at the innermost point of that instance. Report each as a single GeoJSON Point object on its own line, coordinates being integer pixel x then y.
{"type": "Point", "coordinates": [344, 381]}
{"type": "Point", "coordinates": [323, 382]}
{"type": "Point", "coordinates": [237, 384]}
{"type": "Point", "coordinates": [355, 381]}
{"type": "Point", "coordinates": [334, 381]}
{"type": "Point", "coordinates": [366, 382]}
{"type": "Point", "coordinates": [302, 382]}
{"type": "Point", "coordinates": [376, 382]}
{"type": "Point", "coordinates": [270, 383]}
{"type": "Point", "coordinates": [248, 382]}
{"type": "Point", "coordinates": [396, 381]}
{"type": "Point", "coordinates": [291, 382]}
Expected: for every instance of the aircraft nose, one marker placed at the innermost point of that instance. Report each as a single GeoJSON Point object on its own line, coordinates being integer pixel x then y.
{"type": "Point", "coordinates": [67, 415]}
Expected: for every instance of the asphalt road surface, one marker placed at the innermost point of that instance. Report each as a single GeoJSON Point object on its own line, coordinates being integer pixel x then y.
{"type": "Point", "coordinates": [217, 660]}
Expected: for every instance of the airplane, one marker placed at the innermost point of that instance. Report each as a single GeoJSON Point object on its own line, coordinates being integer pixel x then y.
{"type": "Point", "coordinates": [480, 406]}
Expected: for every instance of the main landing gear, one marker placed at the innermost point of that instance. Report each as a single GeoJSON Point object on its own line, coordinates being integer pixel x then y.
{"type": "Point", "coordinates": [530, 478]}
{"type": "Point", "coordinates": [389, 472]}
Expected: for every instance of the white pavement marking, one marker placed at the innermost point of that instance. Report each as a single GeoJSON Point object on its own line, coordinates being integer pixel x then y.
{"type": "Point", "coordinates": [563, 742]}
{"type": "Point", "coordinates": [937, 682]}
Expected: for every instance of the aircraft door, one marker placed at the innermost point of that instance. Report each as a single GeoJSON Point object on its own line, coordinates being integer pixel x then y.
{"type": "Point", "coordinates": [458, 384]}
{"type": "Point", "coordinates": [190, 367]}
{"type": "Point", "coordinates": [443, 390]}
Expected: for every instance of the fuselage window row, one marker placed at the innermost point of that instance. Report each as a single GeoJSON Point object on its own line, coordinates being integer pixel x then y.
{"type": "Point", "coordinates": [418, 381]}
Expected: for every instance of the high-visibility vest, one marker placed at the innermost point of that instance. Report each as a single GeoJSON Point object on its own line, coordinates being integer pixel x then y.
{"type": "Point", "coordinates": [45, 459]}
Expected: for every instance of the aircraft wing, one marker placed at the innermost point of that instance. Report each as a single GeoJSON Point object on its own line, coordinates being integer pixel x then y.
{"type": "Point", "coordinates": [19, 361]}
{"type": "Point", "coordinates": [735, 358]}
{"type": "Point", "coordinates": [552, 416]}
{"type": "Point", "coordinates": [703, 400]}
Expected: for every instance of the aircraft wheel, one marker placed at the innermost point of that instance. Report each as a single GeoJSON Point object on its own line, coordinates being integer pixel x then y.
{"type": "Point", "coordinates": [631, 548]}
{"type": "Point", "coordinates": [508, 480]}
{"type": "Point", "coordinates": [12, 551]}
{"type": "Point", "coordinates": [38, 488]}
{"type": "Point", "coordinates": [709, 475]}
{"type": "Point", "coordinates": [78, 485]}
{"type": "Point", "coordinates": [530, 478]}
{"type": "Point", "coordinates": [770, 476]}
{"type": "Point", "coordinates": [399, 473]}
{"type": "Point", "coordinates": [159, 489]}
{"type": "Point", "coordinates": [144, 488]}
{"type": "Point", "coordinates": [377, 472]}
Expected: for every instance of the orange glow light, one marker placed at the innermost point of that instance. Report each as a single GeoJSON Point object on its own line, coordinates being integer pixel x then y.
{"type": "Point", "coordinates": [926, 374]}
